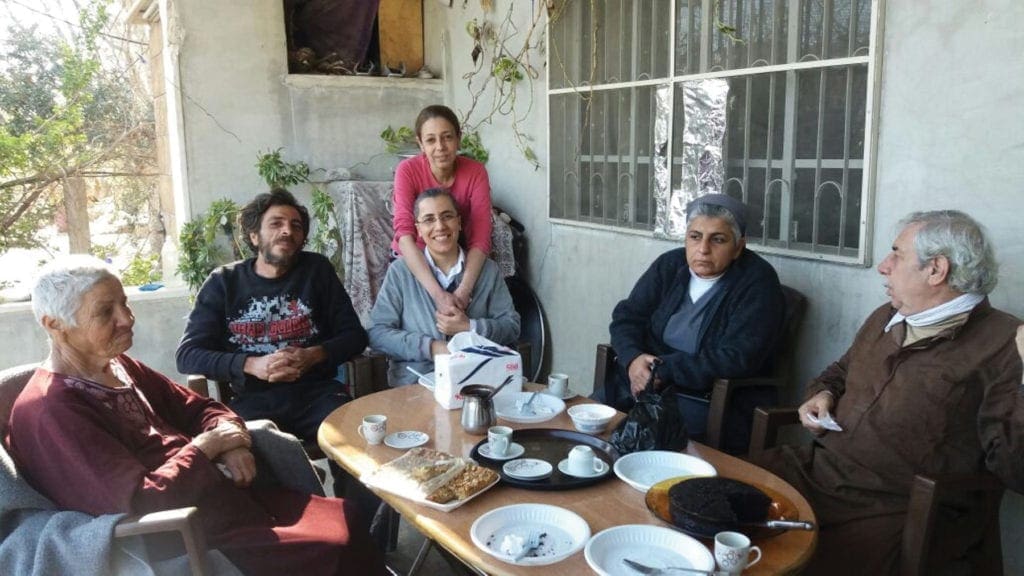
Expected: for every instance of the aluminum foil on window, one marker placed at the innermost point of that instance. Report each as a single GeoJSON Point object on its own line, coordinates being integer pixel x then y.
{"type": "Point", "coordinates": [702, 170]}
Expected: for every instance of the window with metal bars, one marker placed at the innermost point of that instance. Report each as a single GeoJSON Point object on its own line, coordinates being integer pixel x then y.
{"type": "Point", "coordinates": [802, 89]}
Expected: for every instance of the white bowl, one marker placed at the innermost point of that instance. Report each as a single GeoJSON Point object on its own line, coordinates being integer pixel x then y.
{"type": "Point", "coordinates": [565, 532]}
{"type": "Point", "coordinates": [641, 470]}
{"type": "Point", "coordinates": [591, 418]}
{"type": "Point", "coordinates": [651, 545]}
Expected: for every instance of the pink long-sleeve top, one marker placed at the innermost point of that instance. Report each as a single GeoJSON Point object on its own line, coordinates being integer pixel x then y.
{"type": "Point", "coordinates": [471, 191]}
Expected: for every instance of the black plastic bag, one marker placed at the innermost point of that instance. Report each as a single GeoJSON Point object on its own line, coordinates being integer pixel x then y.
{"type": "Point", "coordinates": [653, 423]}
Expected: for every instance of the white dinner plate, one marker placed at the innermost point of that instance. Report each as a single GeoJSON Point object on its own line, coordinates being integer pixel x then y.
{"type": "Point", "coordinates": [641, 470]}
{"type": "Point", "coordinates": [545, 407]}
{"type": "Point", "coordinates": [603, 469]}
{"type": "Point", "coordinates": [654, 546]}
{"type": "Point", "coordinates": [563, 533]}
{"type": "Point", "coordinates": [515, 450]}
{"type": "Point", "coordinates": [528, 469]}
{"type": "Point", "coordinates": [406, 439]}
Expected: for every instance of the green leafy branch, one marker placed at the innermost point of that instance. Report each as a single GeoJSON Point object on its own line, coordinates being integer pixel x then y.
{"type": "Point", "coordinates": [280, 174]}
{"type": "Point", "coordinates": [403, 138]}
{"type": "Point", "coordinates": [397, 140]}
{"type": "Point", "coordinates": [473, 147]}
{"type": "Point", "coordinates": [729, 32]}
{"type": "Point", "coordinates": [502, 71]}
{"type": "Point", "coordinates": [326, 236]}
{"type": "Point", "coordinates": [200, 252]}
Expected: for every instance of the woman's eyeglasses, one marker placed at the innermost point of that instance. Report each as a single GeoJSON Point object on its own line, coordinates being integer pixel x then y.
{"type": "Point", "coordinates": [444, 217]}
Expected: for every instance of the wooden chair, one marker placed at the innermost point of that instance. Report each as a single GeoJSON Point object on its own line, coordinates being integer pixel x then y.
{"type": "Point", "coordinates": [184, 521]}
{"type": "Point", "coordinates": [723, 389]}
{"type": "Point", "coordinates": [925, 536]}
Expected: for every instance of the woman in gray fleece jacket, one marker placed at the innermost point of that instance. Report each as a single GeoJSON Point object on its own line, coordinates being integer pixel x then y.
{"type": "Point", "coordinates": [406, 324]}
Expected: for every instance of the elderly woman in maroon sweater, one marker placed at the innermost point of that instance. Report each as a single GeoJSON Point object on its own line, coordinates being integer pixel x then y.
{"type": "Point", "coordinates": [101, 433]}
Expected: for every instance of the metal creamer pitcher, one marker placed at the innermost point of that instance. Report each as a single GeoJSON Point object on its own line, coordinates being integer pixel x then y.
{"type": "Point", "coordinates": [477, 408]}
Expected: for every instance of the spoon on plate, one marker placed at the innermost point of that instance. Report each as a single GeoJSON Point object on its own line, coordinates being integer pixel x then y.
{"type": "Point", "coordinates": [527, 407]}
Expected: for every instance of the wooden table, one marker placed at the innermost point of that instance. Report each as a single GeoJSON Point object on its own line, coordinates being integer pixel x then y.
{"type": "Point", "coordinates": [606, 504]}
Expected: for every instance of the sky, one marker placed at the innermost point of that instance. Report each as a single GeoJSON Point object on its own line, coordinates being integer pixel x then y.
{"type": "Point", "coordinates": [59, 15]}
{"type": "Point", "coordinates": [47, 14]}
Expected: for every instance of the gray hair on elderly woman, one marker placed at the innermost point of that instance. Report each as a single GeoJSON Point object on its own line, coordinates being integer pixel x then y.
{"type": "Point", "coordinates": [61, 284]}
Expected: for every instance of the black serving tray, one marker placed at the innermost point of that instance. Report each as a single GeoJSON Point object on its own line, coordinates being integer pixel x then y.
{"type": "Point", "coordinates": [551, 445]}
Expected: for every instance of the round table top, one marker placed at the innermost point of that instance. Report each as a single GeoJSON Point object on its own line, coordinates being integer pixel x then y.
{"type": "Point", "coordinates": [604, 505]}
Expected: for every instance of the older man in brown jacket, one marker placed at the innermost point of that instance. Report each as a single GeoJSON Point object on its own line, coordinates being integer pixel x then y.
{"type": "Point", "coordinates": [931, 385]}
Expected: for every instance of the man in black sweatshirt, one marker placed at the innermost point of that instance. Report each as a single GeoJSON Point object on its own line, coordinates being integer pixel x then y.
{"type": "Point", "coordinates": [276, 326]}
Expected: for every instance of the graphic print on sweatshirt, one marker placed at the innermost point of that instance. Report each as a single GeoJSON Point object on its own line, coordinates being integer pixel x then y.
{"type": "Point", "coordinates": [271, 323]}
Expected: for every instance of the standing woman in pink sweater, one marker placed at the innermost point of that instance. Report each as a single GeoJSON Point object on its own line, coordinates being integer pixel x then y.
{"type": "Point", "coordinates": [440, 166]}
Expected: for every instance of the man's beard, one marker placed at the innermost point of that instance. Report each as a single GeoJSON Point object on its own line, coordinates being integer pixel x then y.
{"type": "Point", "coordinates": [282, 261]}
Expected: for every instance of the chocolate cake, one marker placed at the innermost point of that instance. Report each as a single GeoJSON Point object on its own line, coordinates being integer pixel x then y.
{"type": "Point", "coordinates": [718, 500]}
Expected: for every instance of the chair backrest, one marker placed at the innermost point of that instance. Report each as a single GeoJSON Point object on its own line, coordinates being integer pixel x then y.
{"type": "Point", "coordinates": [785, 351]}
{"type": "Point", "coordinates": [12, 382]}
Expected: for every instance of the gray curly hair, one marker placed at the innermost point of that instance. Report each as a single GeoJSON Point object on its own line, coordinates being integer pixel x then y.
{"type": "Point", "coordinates": [958, 237]}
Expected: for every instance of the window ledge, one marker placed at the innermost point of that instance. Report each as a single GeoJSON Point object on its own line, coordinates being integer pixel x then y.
{"type": "Point", "coordinates": [645, 232]}
{"type": "Point", "coordinates": [305, 81]}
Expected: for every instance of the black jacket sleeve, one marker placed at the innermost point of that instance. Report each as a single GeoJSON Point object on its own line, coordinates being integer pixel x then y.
{"type": "Point", "coordinates": [203, 349]}
{"type": "Point", "coordinates": [631, 318]}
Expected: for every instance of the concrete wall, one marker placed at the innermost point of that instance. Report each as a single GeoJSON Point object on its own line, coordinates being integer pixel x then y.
{"type": "Point", "coordinates": [950, 136]}
{"type": "Point", "coordinates": [238, 100]}
{"type": "Point", "coordinates": [159, 322]}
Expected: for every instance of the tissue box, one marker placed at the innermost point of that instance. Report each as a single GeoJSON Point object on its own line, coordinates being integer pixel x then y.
{"type": "Point", "coordinates": [474, 359]}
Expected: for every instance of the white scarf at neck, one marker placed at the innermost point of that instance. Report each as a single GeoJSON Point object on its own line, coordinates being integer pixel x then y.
{"type": "Point", "coordinates": [959, 305]}
{"type": "Point", "coordinates": [700, 286]}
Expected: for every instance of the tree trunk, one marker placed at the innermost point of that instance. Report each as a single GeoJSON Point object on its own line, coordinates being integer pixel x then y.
{"type": "Point", "coordinates": [76, 204]}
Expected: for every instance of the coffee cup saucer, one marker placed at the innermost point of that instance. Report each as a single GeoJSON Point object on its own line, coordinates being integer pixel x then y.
{"type": "Point", "coordinates": [527, 469]}
{"type": "Point", "coordinates": [406, 439]}
{"type": "Point", "coordinates": [515, 450]}
{"type": "Point", "coordinates": [567, 395]}
{"type": "Point", "coordinates": [603, 469]}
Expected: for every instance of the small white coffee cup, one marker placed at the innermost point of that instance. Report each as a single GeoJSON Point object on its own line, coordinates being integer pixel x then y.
{"type": "Point", "coordinates": [732, 552]}
{"type": "Point", "coordinates": [499, 440]}
{"type": "Point", "coordinates": [583, 461]}
{"type": "Point", "coordinates": [374, 428]}
{"type": "Point", "coordinates": [558, 384]}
